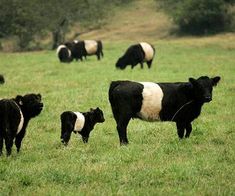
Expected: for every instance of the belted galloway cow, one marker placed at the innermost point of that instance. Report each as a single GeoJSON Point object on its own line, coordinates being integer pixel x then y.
{"type": "Point", "coordinates": [180, 102]}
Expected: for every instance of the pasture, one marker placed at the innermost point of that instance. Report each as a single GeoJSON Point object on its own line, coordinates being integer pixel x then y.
{"type": "Point", "coordinates": [155, 162]}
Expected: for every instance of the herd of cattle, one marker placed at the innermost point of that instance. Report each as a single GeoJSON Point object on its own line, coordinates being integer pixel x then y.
{"type": "Point", "coordinates": [138, 53]}
{"type": "Point", "coordinates": [179, 102]}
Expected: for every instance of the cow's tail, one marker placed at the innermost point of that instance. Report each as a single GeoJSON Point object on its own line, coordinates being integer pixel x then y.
{"type": "Point", "coordinates": [100, 47]}
{"type": "Point", "coordinates": [113, 85]}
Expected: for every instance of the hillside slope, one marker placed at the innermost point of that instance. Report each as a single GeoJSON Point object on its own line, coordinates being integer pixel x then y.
{"type": "Point", "coordinates": [139, 20]}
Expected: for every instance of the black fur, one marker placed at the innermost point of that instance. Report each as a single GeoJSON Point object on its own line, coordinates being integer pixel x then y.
{"type": "Point", "coordinates": [133, 55]}
{"type": "Point", "coordinates": [126, 100]}
{"type": "Point", "coordinates": [64, 55]}
{"type": "Point", "coordinates": [30, 106]}
{"type": "Point", "coordinates": [2, 80]}
{"type": "Point", "coordinates": [68, 120]}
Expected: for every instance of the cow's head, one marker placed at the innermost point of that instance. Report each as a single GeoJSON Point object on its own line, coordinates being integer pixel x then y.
{"type": "Point", "coordinates": [30, 104]}
{"type": "Point", "coordinates": [95, 116]}
{"type": "Point", "coordinates": [202, 88]}
{"type": "Point", "coordinates": [120, 64]}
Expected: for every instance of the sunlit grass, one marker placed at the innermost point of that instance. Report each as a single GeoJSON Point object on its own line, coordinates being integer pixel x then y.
{"type": "Point", "coordinates": [155, 162]}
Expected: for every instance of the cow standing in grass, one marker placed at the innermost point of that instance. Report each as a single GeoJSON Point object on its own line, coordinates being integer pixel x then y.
{"type": "Point", "coordinates": [14, 118]}
{"type": "Point", "coordinates": [87, 48]}
{"type": "Point", "coordinates": [179, 102]}
{"type": "Point", "coordinates": [77, 122]}
{"type": "Point", "coordinates": [138, 53]}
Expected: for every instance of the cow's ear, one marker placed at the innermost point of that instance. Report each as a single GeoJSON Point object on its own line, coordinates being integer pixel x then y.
{"type": "Point", "coordinates": [39, 95]}
{"type": "Point", "coordinates": [192, 81]}
{"type": "Point", "coordinates": [215, 80]}
{"type": "Point", "coordinates": [19, 99]}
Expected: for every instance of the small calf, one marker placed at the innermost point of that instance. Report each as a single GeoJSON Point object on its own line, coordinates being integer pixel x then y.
{"type": "Point", "coordinates": [82, 123]}
{"type": "Point", "coordinates": [14, 118]}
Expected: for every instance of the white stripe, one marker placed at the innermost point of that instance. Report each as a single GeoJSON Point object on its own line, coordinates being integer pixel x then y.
{"type": "Point", "coordinates": [59, 48]}
{"type": "Point", "coordinates": [80, 121]}
{"type": "Point", "coordinates": [91, 46]}
{"type": "Point", "coordinates": [148, 50]}
{"type": "Point", "coordinates": [152, 102]}
{"type": "Point", "coordinates": [21, 119]}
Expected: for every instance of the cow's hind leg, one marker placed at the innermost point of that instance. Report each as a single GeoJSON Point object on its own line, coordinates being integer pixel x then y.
{"type": "Point", "coordinates": [9, 143]}
{"type": "Point", "coordinates": [188, 130]}
{"type": "Point", "coordinates": [1, 144]}
{"type": "Point", "coordinates": [98, 55]}
{"type": "Point", "coordinates": [122, 129]}
{"type": "Point", "coordinates": [180, 130]}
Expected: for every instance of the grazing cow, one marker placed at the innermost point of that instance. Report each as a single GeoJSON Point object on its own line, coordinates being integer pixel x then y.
{"type": "Point", "coordinates": [2, 80]}
{"type": "Point", "coordinates": [138, 53]}
{"type": "Point", "coordinates": [86, 48]}
{"type": "Point", "coordinates": [14, 118]}
{"type": "Point", "coordinates": [179, 102]}
{"type": "Point", "coordinates": [82, 123]}
{"type": "Point", "coordinates": [64, 54]}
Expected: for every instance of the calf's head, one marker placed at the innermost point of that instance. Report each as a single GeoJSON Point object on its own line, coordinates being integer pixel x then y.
{"type": "Point", "coordinates": [30, 104]}
{"type": "Point", "coordinates": [202, 88]}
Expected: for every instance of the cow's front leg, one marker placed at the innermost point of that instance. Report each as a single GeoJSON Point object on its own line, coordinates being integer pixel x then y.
{"type": "Point", "coordinates": [188, 130]}
{"type": "Point", "coordinates": [180, 129]}
{"type": "Point", "coordinates": [19, 138]}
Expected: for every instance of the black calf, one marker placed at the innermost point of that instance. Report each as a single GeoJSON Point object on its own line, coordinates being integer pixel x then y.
{"type": "Point", "coordinates": [82, 123]}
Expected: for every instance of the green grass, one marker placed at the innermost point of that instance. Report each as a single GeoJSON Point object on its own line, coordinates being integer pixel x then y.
{"type": "Point", "coordinates": [155, 162]}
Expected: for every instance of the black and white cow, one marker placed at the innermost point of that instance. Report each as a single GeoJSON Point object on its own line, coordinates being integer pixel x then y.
{"type": "Point", "coordinates": [64, 54]}
{"type": "Point", "coordinates": [77, 122]}
{"type": "Point", "coordinates": [14, 118]}
{"type": "Point", "coordinates": [179, 102]}
{"type": "Point", "coordinates": [2, 80]}
{"type": "Point", "coordinates": [138, 53]}
{"type": "Point", "coordinates": [86, 48]}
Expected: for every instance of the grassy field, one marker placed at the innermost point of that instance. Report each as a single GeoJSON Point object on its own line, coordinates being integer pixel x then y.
{"type": "Point", "coordinates": [155, 162]}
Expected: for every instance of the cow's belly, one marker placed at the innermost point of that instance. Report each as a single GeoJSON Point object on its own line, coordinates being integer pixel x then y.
{"type": "Point", "coordinates": [152, 102]}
